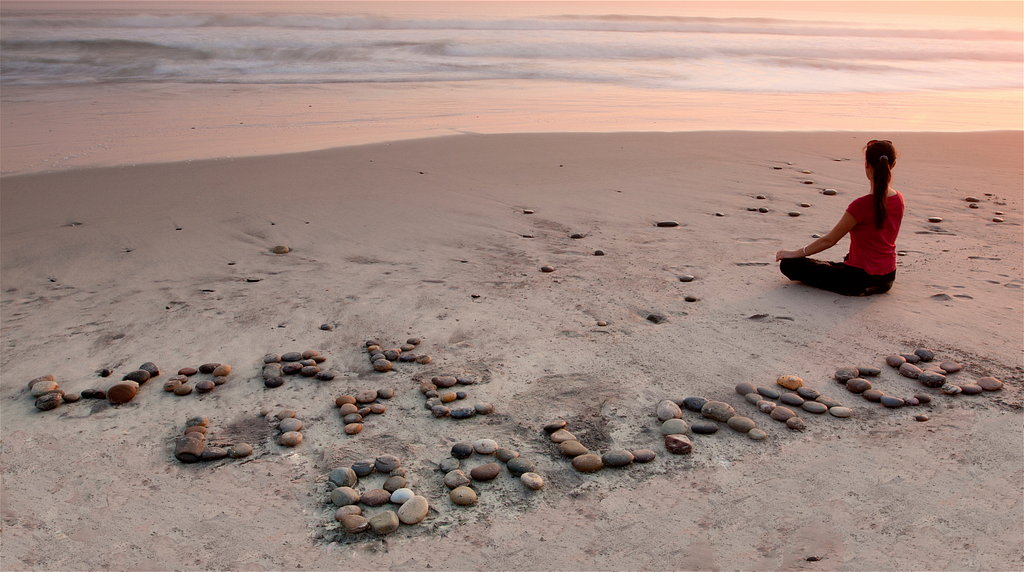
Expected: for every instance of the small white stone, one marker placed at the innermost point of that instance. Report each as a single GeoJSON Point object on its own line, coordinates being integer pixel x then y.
{"type": "Point", "coordinates": [400, 496]}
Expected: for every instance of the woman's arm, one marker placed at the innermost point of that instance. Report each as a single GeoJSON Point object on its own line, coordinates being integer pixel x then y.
{"type": "Point", "coordinates": [826, 242]}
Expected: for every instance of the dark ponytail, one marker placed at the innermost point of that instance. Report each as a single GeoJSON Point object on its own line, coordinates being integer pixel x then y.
{"type": "Point", "coordinates": [881, 156]}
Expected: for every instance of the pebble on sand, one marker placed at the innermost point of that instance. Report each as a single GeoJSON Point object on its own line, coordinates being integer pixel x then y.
{"type": "Point", "coordinates": [741, 424]}
{"type": "Point", "coordinates": [123, 392]}
{"type": "Point", "coordinates": [667, 409]}
{"type": "Point", "coordinates": [844, 374]}
{"type": "Point", "coordinates": [617, 458]}
{"type": "Point", "coordinates": [205, 385]}
{"type": "Point", "coordinates": [921, 417]}
{"type": "Point", "coordinates": [872, 395]}
{"type": "Point", "coordinates": [413, 510]}
{"type": "Point", "coordinates": [354, 523]}
{"type": "Point", "coordinates": [858, 385]}
{"type": "Point", "coordinates": [768, 392]}
{"type": "Point", "coordinates": [765, 406]}
{"type": "Point", "coordinates": [757, 435]}
{"type": "Point", "coordinates": [891, 402]}
{"type": "Point", "coordinates": [547, 268]}
{"type": "Point", "coordinates": [518, 466]}
{"type": "Point", "coordinates": [934, 219]}
{"type": "Point", "coordinates": [895, 361]}
{"type": "Point", "coordinates": [533, 481]}
{"type": "Point", "coordinates": [990, 384]}
{"type": "Point", "coordinates": [382, 365]}
{"type": "Point", "coordinates": [674, 427]}
{"type": "Point", "coordinates": [796, 424]}
{"type": "Point", "coordinates": [668, 224]}
{"type": "Point", "coordinates": [239, 450]}
{"type": "Point", "coordinates": [678, 444]}
{"type": "Point", "coordinates": [841, 412]}
{"type": "Point", "coordinates": [353, 428]}
{"type": "Point", "coordinates": [462, 496]}
{"type": "Point", "coordinates": [782, 413]}
{"type": "Point", "coordinates": [950, 366]}
{"type": "Point", "coordinates": [221, 370]}
{"type": "Point", "coordinates": [791, 399]}
{"type": "Point", "coordinates": [456, 478]}
{"type": "Point", "coordinates": [291, 438]}
{"type": "Point", "coordinates": [791, 382]}
{"type": "Point", "coordinates": [930, 378]}
{"type": "Point", "coordinates": [485, 472]}
{"type": "Point", "coordinates": [280, 249]}
{"type": "Point", "coordinates": [290, 424]}
{"type": "Point", "coordinates": [829, 192]}
{"type": "Point", "coordinates": [49, 401]}
{"type": "Point", "coordinates": [717, 410]}
{"type": "Point", "coordinates": [559, 436]}
{"type": "Point", "coordinates": [644, 455]}
{"type": "Point", "coordinates": [385, 522]}
{"type": "Point", "coordinates": [587, 463]}
{"type": "Point", "coordinates": [910, 370]}
{"type": "Point", "coordinates": [950, 389]}
{"type": "Point", "coordinates": [745, 388]}
{"type": "Point", "coordinates": [808, 393]}
{"type": "Point", "coordinates": [704, 427]}
{"type": "Point", "coordinates": [485, 446]}
{"type": "Point", "coordinates": [694, 403]}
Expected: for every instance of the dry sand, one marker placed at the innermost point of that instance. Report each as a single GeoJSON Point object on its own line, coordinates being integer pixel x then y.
{"type": "Point", "coordinates": [113, 267]}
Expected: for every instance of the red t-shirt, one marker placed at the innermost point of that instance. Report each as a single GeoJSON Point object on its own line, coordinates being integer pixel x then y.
{"type": "Point", "coordinates": [871, 249]}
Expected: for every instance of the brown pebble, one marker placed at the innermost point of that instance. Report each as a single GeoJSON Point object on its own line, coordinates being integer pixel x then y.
{"type": "Point", "coordinates": [921, 417]}
{"type": "Point", "coordinates": [221, 370]}
{"type": "Point", "coordinates": [377, 408]}
{"type": "Point", "coordinates": [123, 392]}
{"type": "Point", "coordinates": [205, 386]}
{"type": "Point", "coordinates": [462, 496]}
{"type": "Point", "coordinates": [971, 389]}
{"type": "Point", "coordinates": [366, 396]}
{"type": "Point", "coordinates": [38, 379]}
{"type": "Point", "coordinates": [554, 426]}
{"type": "Point", "coordinates": [353, 428]}
{"type": "Point", "coordinates": [423, 359]}
{"type": "Point", "coordinates": [782, 413]}
{"type": "Point", "coordinates": [347, 409]}
{"type": "Point", "coordinates": [354, 523]}
{"type": "Point", "coordinates": [195, 429]}
{"type": "Point", "coordinates": [208, 367]}
{"type": "Point", "coordinates": [990, 384]}
{"type": "Point", "coordinates": [170, 384]}
{"type": "Point", "coordinates": [790, 382]}
{"type": "Point", "coordinates": [385, 393]}
{"type": "Point", "coordinates": [291, 438]}
{"type": "Point", "coordinates": [485, 472]}
{"type": "Point", "coordinates": [644, 455]}
{"type": "Point", "coordinates": [188, 371]}
{"type": "Point", "coordinates": [796, 424]}
{"type": "Point", "coordinates": [587, 463]}
{"type": "Point", "coordinates": [375, 497]}
{"type": "Point", "coordinates": [561, 436]}
{"type": "Point", "coordinates": [547, 268]}
{"type": "Point", "coordinates": [677, 444]}
{"type": "Point", "coordinates": [572, 448]}
{"type": "Point", "coordinates": [342, 400]}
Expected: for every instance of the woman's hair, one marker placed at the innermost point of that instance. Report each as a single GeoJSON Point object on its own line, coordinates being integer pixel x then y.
{"type": "Point", "coordinates": [881, 156]}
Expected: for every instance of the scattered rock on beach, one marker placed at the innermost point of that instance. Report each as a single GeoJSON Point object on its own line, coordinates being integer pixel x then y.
{"type": "Point", "coordinates": [547, 268]}
{"type": "Point", "coordinates": [123, 392]}
{"type": "Point", "coordinates": [667, 409]}
{"type": "Point", "coordinates": [280, 249]}
{"type": "Point", "coordinates": [717, 410]}
{"type": "Point", "coordinates": [844, 374]}
{"type": "Point", "coordinates": [694, 403]}
{"type": "Point", "coordinates": [910, 370]}
{"type": "Point", "coordinates": [462, 496]}
{"type": "Point", "coordinates": [668, 224]}
{"type": "Point", "coordinates": [49, 401]}
{"type": "Point", "coordinates": [678, 444]}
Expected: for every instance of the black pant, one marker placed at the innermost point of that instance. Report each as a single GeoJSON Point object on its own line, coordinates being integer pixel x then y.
{"type": "Point", "coordinates": [836, 277]}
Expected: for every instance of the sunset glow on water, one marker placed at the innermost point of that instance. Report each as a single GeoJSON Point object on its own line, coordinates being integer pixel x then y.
{"type": "Point", "coordinates": [379, 70]}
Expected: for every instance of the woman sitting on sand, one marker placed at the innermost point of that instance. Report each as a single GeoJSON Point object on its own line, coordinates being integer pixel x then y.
{"type": "Point", "coordinates": [873, 222]}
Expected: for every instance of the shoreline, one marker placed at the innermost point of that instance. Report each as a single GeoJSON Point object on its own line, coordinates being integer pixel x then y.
{"type": "Point", "coordinates": [172, 263]}
{"type": "Point", "coordinates": [141, 124]}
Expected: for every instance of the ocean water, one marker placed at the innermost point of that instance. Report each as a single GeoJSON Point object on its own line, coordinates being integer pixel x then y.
{"type": "Point", "coordinates": [664, 46]}
{"type": "Point", "coordinates": [91, 83]}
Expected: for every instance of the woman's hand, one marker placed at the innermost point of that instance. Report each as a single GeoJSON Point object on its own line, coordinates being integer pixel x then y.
{"type": "Point", "coordinates": [788, 254]}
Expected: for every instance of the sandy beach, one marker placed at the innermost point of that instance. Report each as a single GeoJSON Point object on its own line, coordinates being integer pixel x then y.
{"type": "Point", "coordinates": [171, 263]}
